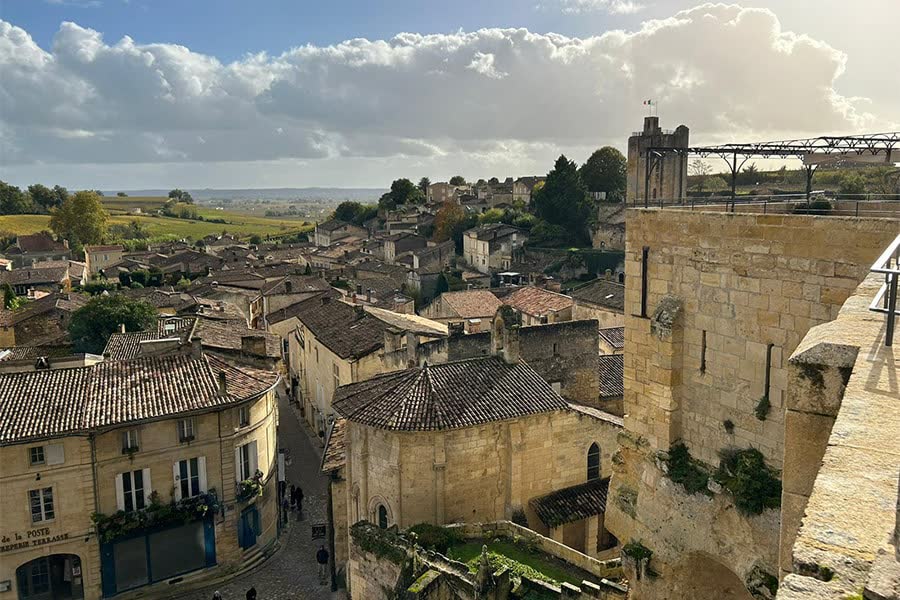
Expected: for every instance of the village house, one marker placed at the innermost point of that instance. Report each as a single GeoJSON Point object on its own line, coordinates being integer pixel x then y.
{"type": "Point", "coordinates": [474, 309]}
{"type": "Point", "coordinates": [539, 305]}
{"type": "Point", "coordinates": [441, 192]}
{"type": "Point", "coordinates": [37, 247]}
{"type": "Point", "coordinates": [331, 231]}
{"type": "Point", "coordinates": [601, 299]}
{"type": "Point", "coordinates": [42, 321]}
{"type": "Point", "coordinates": [186, 442]}
{"type": "Point", "coordinates": [407, 443]}
{"type": "Point", "coordinates": [612, 340]}
{"type": "Point", "coordinates": [45, 277]}
{"type": "Point", "coordinates": [98, 258]}
{"type": "Point", "coordinates": [492, 246]}
{"type": "Point", "coordinates": [398, 244]}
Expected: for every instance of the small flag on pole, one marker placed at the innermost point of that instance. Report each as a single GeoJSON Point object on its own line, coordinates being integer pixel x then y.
{"type": "Point", "coordinates": [649, 102]}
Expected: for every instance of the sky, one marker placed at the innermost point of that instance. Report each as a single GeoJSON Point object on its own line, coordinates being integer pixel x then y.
{"type": "Point", "coordinates": [130, 94]}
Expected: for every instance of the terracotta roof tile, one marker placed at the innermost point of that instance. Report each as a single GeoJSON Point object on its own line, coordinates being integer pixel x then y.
{"type": "Point", "coordinates": [335, 455]}
{"type": "Point", "coordinates": [538, 301]}
{"type": "Point", "coordinates": [572, 503]}
{"type": "Point", "coordinates": [447, 396]}
{"type": "Point", "coordinates": [472, 304]}
{"type": "Point", "coordinates": [614, 336]}
{"type": "Point", "coordinates": [611, 367]}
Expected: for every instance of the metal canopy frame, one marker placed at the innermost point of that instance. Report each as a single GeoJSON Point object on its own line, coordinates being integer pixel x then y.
{"type": "Point", "coordinates": [844, 145]}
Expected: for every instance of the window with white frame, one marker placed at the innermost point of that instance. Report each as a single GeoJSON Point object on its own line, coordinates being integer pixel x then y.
{"type": "Point", "coordinates": [245, 461]}
{"type": "Point", "coordinates": [133, 489]}
{"type": "Point", "coordinates": [190, 477]}
{"type": "Point", "coordinates": [41, 505]}
{"type": "Point", "coordinates": [36, 455]}
{"type": "Point", "coordinates": [244, 416]}
{"type": "Point", "coordinates": [129, 441]}
{"type": "Point", "coordinates": [185, 430]}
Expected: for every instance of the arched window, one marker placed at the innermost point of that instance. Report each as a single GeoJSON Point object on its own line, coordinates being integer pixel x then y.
{"type": "Point", "coordinates": [382, 516]}
{"type": "Point", "coordinates": [593, 462]}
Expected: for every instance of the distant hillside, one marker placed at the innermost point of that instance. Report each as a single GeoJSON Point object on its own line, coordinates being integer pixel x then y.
{"type": "Point", "coordinates": [315, 194]}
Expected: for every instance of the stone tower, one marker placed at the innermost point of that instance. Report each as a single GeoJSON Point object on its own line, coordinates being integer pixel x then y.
{"type": "Point", "coordinates": [669, 176]}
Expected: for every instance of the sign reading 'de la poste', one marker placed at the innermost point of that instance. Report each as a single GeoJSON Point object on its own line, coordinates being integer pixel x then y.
{"type": "Point", "coordinates": [30, 538]}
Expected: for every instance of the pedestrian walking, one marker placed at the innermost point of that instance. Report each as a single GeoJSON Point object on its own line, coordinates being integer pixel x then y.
{"type": "Point", "coordinates": [299, 503]}
{"type": "Point", "coordinates": [285, 509]}
{"type": "Point", "coordinates": [251, 593]}
{"type": "Point", "coordinates": [322, 560]}
{"type": "Point", "coordinates": [217, 596]}
{"type": "Point", "coordinates": [293, 496]}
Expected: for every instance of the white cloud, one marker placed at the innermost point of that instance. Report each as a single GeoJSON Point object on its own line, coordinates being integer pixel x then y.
{"type": "Point", "coordinates": [616, 7]}
{"type": "Point", "coordinates": [507, 96]}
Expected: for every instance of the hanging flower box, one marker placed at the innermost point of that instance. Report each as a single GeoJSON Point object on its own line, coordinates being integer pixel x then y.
{"type": "Point", "coordinates": [155, 516]}
{"type": "Point", "coordinates": [249, 488]}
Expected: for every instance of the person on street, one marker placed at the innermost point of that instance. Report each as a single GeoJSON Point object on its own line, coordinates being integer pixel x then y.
{"type": "Point", "coordinates": [293, 496]}
{"type": "Point", "coordinates": [217, 596]}
{"type": "Point", "coordinates": [251, 593]}
{"type": "Point", "coordinates": [322, 560]}
{"type": "Point", "coordinates": [299, 503]}
{"type": "Point", "coordinates": [285, 508]}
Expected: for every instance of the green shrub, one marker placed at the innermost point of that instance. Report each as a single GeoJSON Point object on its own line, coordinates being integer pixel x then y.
{"type": "Point", "coordinates": [753, 485]}
{"type": "Point", "coordinates": [762, 408]}
{"type": "Point", "coordinates": [434, 537]}
{"type": "Point", "coordinates": [637, 551]}
{"type": "Point", "coordinates": [686, 471]}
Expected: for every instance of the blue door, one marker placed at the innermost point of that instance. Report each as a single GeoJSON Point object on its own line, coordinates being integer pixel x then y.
{"type": "Point", "coordinates": [248, 527]}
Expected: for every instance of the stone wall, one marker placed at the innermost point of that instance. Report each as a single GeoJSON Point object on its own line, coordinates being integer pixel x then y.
{"type": "Point", "coordinates": [472, 345]}
{"type": "Point", "coordinates": [565, 353]}
{"type": "Point", "coordinates": [724, 292]}
{"type": "Point", "coordinates": [669, 176]}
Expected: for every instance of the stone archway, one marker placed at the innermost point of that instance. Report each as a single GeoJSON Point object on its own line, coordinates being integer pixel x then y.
{"type": "Point", "coordinates": [699, 575]}
{"type": "Point", "coordinates": [53, 577]}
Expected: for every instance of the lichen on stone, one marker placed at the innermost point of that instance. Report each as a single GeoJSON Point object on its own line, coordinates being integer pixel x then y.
{"type": "Point", "coordinates": [626, 500]}
{"type": "Point", "coordinates": [761, 584]}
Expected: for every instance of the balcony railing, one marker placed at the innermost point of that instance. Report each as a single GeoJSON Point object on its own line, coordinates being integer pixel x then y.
{"type": "Point", "coordinates": [885, 300]}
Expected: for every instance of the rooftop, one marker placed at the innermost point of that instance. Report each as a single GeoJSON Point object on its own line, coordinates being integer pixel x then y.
{"type": "Point", "coordinates": [41, 404]}
{"type": "Point", "coordinates": [493, 231]}
{"type": "Point", "coordinates": [111, 248]}
{"type": "Point", "coordinates": [447, 396]}
{"type": "Point", "coordinates": [332, 225]}
{"type": "Point", "coordinates": [472, 304]}
{"type": "Point", "coordinates": [614, 336]}
{"type": "Point", "coordinates": [345, 330]}
{"type": "Point", "coordinates": [40, 242]}
{"type": "Point", "coordinates": [123, 346]}
{"type": "Point", "coordinates": [335, 455]}
{"type": "Point", "coordinates": [538, 301]}
{"type": "Point", "coordinates": [572, 503]}
{"type": "Point", "coordinates": [602, 292]}
{"type": "Point", "coordinates": [611, 368]}
{"type": "Point", "coordinates": [67, 302]}
{"type": "Point", "coordinates": [47, 272]}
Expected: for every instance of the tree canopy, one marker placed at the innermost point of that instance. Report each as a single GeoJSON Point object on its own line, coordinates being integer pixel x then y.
{"type": "Point", "coordinates": [450, 222]}
{"type": "Point", "coordinates": [563, 201]}
{"type": "Point", "coordinates": [403, 191]}
{"type": "Point", "coordinates": [423, 185]}
{"type": "Point", "coordinates": [354, 212]}
{"type": "Point", "coordinates": [457, 180]}
{"type": "Point", "coordinates": [81, 219]}
{"type": "Point", "coordinates": [181, 196]}
{"type": "Point", "coordinates": [46, 198]}
{"type": "Point", "coordinates": [13, 201]}
{"type": "Point", "coordinates": [605, 171]}
{"type": "Point", "coordinates": [93, 323]}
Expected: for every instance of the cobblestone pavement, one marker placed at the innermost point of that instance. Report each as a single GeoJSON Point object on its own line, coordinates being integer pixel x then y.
{"type": "Point", "coordinates": [291, 573]}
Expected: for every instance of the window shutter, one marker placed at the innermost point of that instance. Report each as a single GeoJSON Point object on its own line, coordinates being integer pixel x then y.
{"type": "Point", "coordinates": [54, 454]}
{"type": "Point", "coordinates": [237, 463]}
{"type": "Point", "coordinates": [148, 488]}
{"type": "Point", "coordinates": [120, 494]}
{"type": "Point", "coordinates": [201, 466]}
{"type": "Point", "coordinates": [176, 477]}
{"type": "Point", "coordinates": [253, 458]}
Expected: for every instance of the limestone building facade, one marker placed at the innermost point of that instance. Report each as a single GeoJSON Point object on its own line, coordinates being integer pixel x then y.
{"type": "Point", "coordinates": [715, 303]}
{"type": "Point", "coordinates": [668, 176]}
{"type": "Point", "coordinates": [157, 447]}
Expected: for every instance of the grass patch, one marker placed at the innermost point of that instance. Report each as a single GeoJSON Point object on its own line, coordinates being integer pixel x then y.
{"type": "Point", "coordinates": [753, 484]}
{"type": "Point", "coordinates": [684, 470]}
{"type": "Point", "coordinates": [520, 561]}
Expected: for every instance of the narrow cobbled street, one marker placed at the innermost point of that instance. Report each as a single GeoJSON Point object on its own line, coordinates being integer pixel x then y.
{"type": "Point", "coordinates": [291, 573]}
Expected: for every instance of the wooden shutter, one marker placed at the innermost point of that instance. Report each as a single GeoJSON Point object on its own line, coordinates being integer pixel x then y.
{"type": "Point", "coordinates": [148, 488]}
{"type": "Point", "coordinates": [253, 458]}
{"type": "Point", "coordinates": [201, 466]}
{"type": "Point", "coordinates": [54, 454]}
{"type": "Point", "coordinates": [176, 476]}
{"type": "Point", "coordinates": [120, 494]}
{"type": "Point", "coordinates": [237, 463]}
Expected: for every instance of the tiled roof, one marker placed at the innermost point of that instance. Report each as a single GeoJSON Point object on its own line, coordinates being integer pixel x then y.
{"type": "Point", "coordinates": [537, 301]}
{"type": "Point", "coordinates": [47, 272]}
{"type": "Point", "coordinates": [572, 503]}
{"type": "Point", "coordinates": [32, 352]}
{"type": "Point", "coordinates": [335, 455]}
{"type": "Point", "coordinates": [123, 346]}
{"type": "Point", "coordinates": [472, 304]}
{"type": "Point", "coordinates": [447, 396]}
{"type": "Point", "coordinates": [346, 331]}
{"type": "Point", "coordinates": [294, 310]}
{"type": "Point", "coordinates": [603, 293]}
{"type": "Point", "coordinates": [612, 371]}
{"type": "Point", "coordinates": [40, 242]}
{"type": "Point", "coordinates": [494, 231]}
{"type": "Point", "coordinates": [405, 322]}
{"type": "Point", "coordinates": [39, 404]}
{"type": "Point", "coordinates": [598, 414]}
{"type": "Point", "coordinates": [67, 302]}
{"type": "Point", "coordinates": [614, 336]}
{"type": "Point", "coordinates": [331, 225]}
{"type": "Point", "coordinates": [113, 248]}
{"type": "Point", "coordinates": [227, 336]}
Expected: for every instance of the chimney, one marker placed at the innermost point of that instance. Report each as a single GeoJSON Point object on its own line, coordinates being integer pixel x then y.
{"type": "Point", "coordinates": [359, 289]}
{"type": "Point", "coordinates": [121, 327]}
{"type": "Point", "coordinates": [254, 345]}
{"type": "Point", "coordinates": [369, 295]}
{"type": "Point", "coordinates": [456, 328]}
{"type": "Point", "coordinates": [223, 384]}
{"type": "Point", "coordinates": [608, 274]}
{"type": "Point", "coordinates": [325, 299]}
{"type": "Point", "coordinates": [196, 347]}
{"type": "Point", "coordinates": [288, 286]}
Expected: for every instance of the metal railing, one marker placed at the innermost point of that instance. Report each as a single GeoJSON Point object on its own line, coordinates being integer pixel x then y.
{"type": "Point", "coordinates": [842, 205]}
{"type": "Point", "coordinates": [885, 301]}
